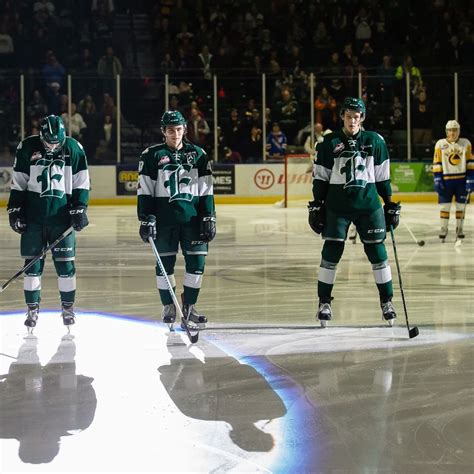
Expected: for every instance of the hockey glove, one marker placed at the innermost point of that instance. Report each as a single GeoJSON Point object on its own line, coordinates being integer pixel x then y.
{"type": "Point", "coordinates": [469, 185]}
{"type": "Point", "coordinates": [147, 227]}
{"type": "Point", "coordinates": [17, 219]}
{"type": "Point", "coordinates": [207, 227]}
{"type": "Point", "coordinates": [439, 185]}
{"type": "Point", "coordinates": [317, 215]}
{"type": "Point", "coordinates": [392, 214]}
{"type": "Point", "coordinates": [79, 218]}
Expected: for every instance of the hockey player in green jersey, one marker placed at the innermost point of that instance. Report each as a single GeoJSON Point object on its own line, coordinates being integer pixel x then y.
{"type": "Point", "coordinates": [351, 172]}
{"type": "Point", "coordinates": [49, 193]}
{"type": "Point", "coordinates": [176, 207]}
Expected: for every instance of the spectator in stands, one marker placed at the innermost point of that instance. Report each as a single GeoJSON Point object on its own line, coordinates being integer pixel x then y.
{"type": "Point", "coordinates": [53, 98]}
{"type": "Point", "coordinates": [276, 143]}
{"type": "Point", "coordinates": [286, 112]}
{"type": "Point", "coordinates": [325, 106]}
{"type": "Point", "coordinates": [318, 137]}
{"type": "Point", "coordinates": [167, 65]}
{"type": "Point", "coordinates": [422, 120]}
{"type": "Point", "coordinates": [108, 106]}
{"type": "Point", "coordinates": [77, 126]}
{"type": "Point", "coordinates": [108, 67]}
{"type": "Point", "coordinates": [233, 129]}
{"type": "Point", "coordinates": [6, 48]}
{"type": "Point", "coordinates": [231, 156]}
{"type": "Point", "coordinates": [397, 115]}
{"type": "Point", "coordinates": [44, 6]}
{"type": "Point", "coordinates": [53, 70]}
{"type": "Point", "coordinates": [204, 60]}
{"type": "Point", "coordinates": [105, 152]}
{"type": "Point", "coordinates": [198, 128]}
{"type": "Point", "coordinates": [407, 66]}
{"type": "Point", "coordinates": [252, 145]}
{"type": "Point", "coordinates": [37, 106]}
{"type": "Point", "coordinates": [363, 30]}
{"type": "Point", "coordinates": [386, 80]}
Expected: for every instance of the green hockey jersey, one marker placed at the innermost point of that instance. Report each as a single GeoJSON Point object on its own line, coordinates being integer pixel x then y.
{"type": "Point", "coordinates": [44, 184]}
{"type": "Point", "coordinates": [350, 173]}
{"type": "Point", "coordinates": [175, 185]}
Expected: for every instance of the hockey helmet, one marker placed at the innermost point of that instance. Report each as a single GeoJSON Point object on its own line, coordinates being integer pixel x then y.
{"type": "Point", "coordinates": [53, 133]}
{"type": "Point", "coordinates": [355, 104]}
{"type": "Point", "coordinates": [453, 125]}
{"type": "Point", "coordinates": [172, 117]}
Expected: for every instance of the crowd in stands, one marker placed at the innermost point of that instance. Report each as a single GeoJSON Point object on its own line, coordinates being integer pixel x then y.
{"type": "Point", "coordinates": [193, 40]}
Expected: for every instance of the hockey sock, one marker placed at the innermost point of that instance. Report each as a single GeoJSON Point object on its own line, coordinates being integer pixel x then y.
{"type": "Point", "coordinates": [193, 277]}
{"type": "Point", "coordinates": [377, 255]}
{"type": "Point", "coordinates": [459, 217]}
{"type": "Point", "coordinates": [66, 281]}
{"type": "Point", "coordinates": [444, 217]}
{"type": "Point", "coordinates": [168, 262]}
{"type": "Point", "coordinates": [32, 282]}
{"type": "Point", "coordinates": [331, 254]}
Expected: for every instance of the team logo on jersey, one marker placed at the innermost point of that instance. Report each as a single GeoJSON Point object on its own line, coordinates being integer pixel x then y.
{"type": "Point", "coordinates": [36, 156]}
{"type": "Point", "coordinates": [190, 157]}
{"type": "Point", "coordinates": [51, 177]}
{"type": "Point", "coordinates": [353, 168]}
{"type": "Point", "coordinates": [454, 158]}
{"type": "Point", "coordinates": [339, 147]}
{"type": "Point", "coordinates": [164, 159]}
{"type": "Point", "coordinates": [179, 178]}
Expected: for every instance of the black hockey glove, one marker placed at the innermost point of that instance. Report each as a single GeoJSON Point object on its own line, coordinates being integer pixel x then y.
{"type": "Point", "coordinates": [392, 214]}
{"type": "Point", "coordinates": [317, 215]}
{"type": "Point", "coordinates": [79, 218]}
{"type": "Point", "coordinates": [207, 227]}
{"type": "Point", "coordinates": [17, 219]}
{"type": "Point", "coordinates": [147, 227]}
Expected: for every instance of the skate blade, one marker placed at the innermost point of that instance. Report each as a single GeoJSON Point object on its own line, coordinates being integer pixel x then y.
{"type": "Point", "coordinates": [390, 322]}
{"type": "Point", "coordinates": [324, 323]}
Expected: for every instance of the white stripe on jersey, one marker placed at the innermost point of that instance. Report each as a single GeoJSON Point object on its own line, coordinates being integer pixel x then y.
{"type": "Point", "coordinates": [321, 172]}
{"type": "Point", "coordinates": [19, 181]}
{"type": "Point", "coordinates": [80, 180]}
{"type": "Point", "coordinates": [147, 186]}
{"type": "Point", "coordinates": [382, 172]}
{"type": "Point", "coordinates": [205, 186]}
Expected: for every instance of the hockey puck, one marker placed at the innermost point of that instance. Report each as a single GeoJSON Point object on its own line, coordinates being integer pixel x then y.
{"type": "Point", "coordinates": [421, 243]}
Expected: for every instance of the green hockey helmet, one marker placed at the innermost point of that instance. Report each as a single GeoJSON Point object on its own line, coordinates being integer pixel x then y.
{"type": "Point", "coordinates": [172, 117]}
{"type": "Point", "coordinates": [355, 104]}
{"type": "Point", "coordinates": [53, 133]}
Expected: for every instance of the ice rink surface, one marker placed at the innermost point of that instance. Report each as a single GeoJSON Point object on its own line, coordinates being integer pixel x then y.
{"type": "Point", "coordinates": [265, 389]}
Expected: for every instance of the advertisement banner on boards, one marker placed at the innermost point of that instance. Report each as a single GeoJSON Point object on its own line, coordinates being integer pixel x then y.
{"type": "Point", "coordinates": [126, 179]}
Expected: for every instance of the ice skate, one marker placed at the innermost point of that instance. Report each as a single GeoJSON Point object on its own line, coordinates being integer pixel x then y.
{"type": "Point", "coordinates": [442, 235]}
{"type": "Point", "coordinates": [460, 233]}
{"type": "Point", "coordinates": [168, 315]}
{"type": "Point", "coordinates": [388, 312]}
{"type": "Point", "coordinates": [194, 320]}
{"type": "Point", "coordinates": [32, 317]}
{"type": "Point", "coordinates": [69, 317]}
{"type": "Point", "coordinates": [324, 313]}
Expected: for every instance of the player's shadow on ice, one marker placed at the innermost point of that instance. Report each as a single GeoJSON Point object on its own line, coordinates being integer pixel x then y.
{"type": "Point", "coordinates": [39, 405]}
{"type": "Point", "coordinates": [222, 389]}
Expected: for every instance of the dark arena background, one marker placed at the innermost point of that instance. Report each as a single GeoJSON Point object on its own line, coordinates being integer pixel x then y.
{"type": "Point", "coordinates": [266, 387]}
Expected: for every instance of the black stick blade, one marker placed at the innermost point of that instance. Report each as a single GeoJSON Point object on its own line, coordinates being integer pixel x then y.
{"type": "Point", "coordinates": [413, 332]}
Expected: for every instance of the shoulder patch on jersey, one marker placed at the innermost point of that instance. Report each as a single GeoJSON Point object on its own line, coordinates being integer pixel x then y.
{"type": "Point", "coordinates": [443, 147]}
{"type": "Point", "coordinates": [36, 156]}
{"type": "Point", "coordinates": [338, 147]}
{"type": "Point", "coordinates": [164, 159]}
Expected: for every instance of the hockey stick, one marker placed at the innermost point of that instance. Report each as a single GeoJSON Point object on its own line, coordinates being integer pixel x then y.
{"type": "Point", "coordinates": [34, 260]}
{"type": "Point", "coordinates": [413, 332]}
{"type": "Point", "coordinates": [192, 337]}
{"type": "Point", "coordinates": [458, 241]}
{"type": "Point", "coordinates": [418, 242]}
